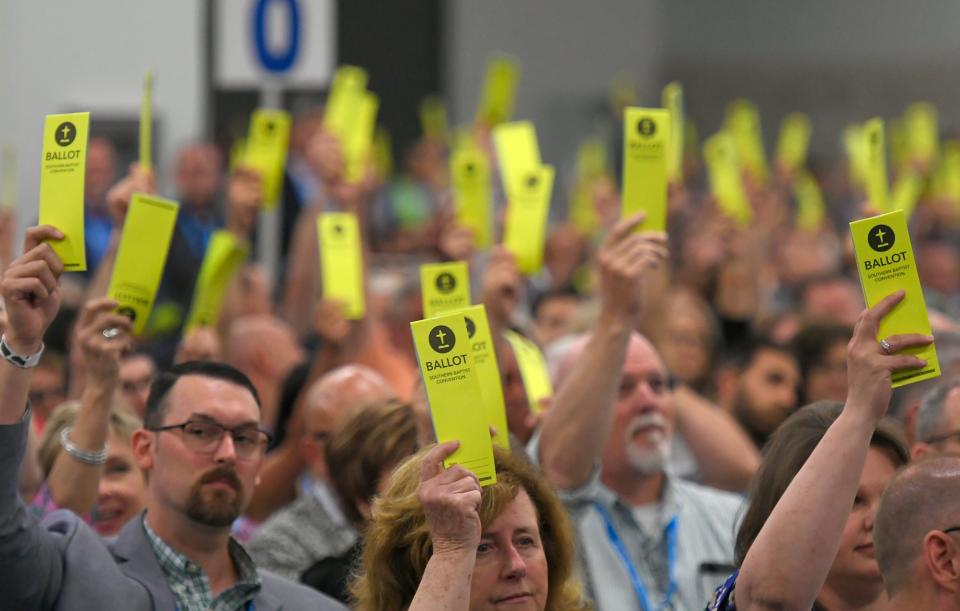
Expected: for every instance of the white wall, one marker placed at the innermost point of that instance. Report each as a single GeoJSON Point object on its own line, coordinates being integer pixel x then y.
{"type": "Point", "coordinates": [69, 55]}
{"type": "Point", "coordinates": [568, 52]}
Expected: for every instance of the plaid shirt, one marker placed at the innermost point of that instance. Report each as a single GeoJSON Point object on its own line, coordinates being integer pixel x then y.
{"type": "Point", "coordinates": [190, 585]}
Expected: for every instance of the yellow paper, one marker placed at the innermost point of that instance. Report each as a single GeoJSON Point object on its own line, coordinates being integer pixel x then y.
{"type": "Point", "coordinates": [383, 154]}
{"type": "Point", "coordinates": [141, 256]}
{"type": "Point", "coordinates": [499, 91]}
{"type": "Point", "coordinates": [876, 164]}
{"type": "Point", "coordinates": [898, 144]}
{"type": "Point", "coordinates": [453, 391]}
{"type": "Point", "coordinates": [517, 151]}
{"type": "Point", "coordinates": [61, 184]}
{"type": "Point", "coordinates": [923, 132]}
{"type": "Point", "coordinates": [723, 167]}
{"type": "Point", "coordinates": [146, 122]}
{"type": "Point", "coordinates": [472, 197]}
{"type": "Point", "coordinates": [591, 167]}
{"type": "Point", "coordinates": [672, 100]}
{"type": "Point", "coordinates": [9, 161]}
{"type": "Point", "coordinates": [855, 146]}
{"type": "Point", "coordinates": [794, 141]}
{"type": "Point", "coordinates": [237, 153]}
{"type": "Point", "coordinates": [533, 370]}
{"type": "Point", "coordinates": [223, 258]}
{"type": "Point", "coordinates": [349, 84]}
{"type": "Point", "coordinates": [743, 123]}
{"type": "Point", "coordinates": [906, 192]}
{"type": "Point", "coordinates": [358, 140]}
{"type": "Point", "coordinates": [886, 264]}
{"type": "Point", "coordinates": [525, 230]}
{"type": "Point", "coordinates": [950, 166]}
{"type": "Point", "coordinates": [445, 287]}
{"type": "Point", "coordinates": [433, 119]}
{"type": "Point", "coordinates": [341, 261]}
{"type": "Point", "coordinates": [488, 373]}
{"type": "Point", "coordinates": [646, 137]}
{"type": "Point", "coordinates": [810, 206]}
{"type": "Point", "coordinates": [266, 151]}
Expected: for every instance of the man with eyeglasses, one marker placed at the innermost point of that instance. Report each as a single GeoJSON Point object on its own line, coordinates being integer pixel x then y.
{"type": "Point", "coordinates": [917, 536]}
{"type": "Point", "coordinates": [938, 421]}
{"type": "Point", "coordinates": [201, 448]}
{"type": "Point", "coordinates": [646, 539]}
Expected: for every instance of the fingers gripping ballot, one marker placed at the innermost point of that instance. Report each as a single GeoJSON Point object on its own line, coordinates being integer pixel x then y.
{"type": "Point", "coordinates": [870, 366]}
{"type": "Point", "coordinates": [31, 289]}
{"type": "Point", "coordinates": [623, 259]}
{"type": "Point", "coordinates": [450, 499]}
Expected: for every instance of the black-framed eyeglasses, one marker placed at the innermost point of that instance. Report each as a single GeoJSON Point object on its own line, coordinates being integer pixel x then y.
{"type": "Point", "coordinates": [943, 437]}
{"type": "Point", "coordinates": [204, 437]}
{"type": "Point", "coordinates": [950, 530]}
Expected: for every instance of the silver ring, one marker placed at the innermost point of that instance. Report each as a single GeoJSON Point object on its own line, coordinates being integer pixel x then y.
{"type": "Point", "coordinates": [110, 332]}
{"type": "Point", "coordinates": [885, 346]}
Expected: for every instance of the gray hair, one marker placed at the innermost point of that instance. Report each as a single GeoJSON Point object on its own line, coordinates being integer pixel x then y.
{"type": "Point", "coordinates": [930, 419]}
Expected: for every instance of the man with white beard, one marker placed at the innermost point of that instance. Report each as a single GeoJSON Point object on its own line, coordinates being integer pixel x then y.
{"type": "Point", "coordinates": [646, 540]}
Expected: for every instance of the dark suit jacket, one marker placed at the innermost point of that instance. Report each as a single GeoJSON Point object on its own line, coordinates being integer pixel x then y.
{"type": "Point", "coordinates": [61, 563]}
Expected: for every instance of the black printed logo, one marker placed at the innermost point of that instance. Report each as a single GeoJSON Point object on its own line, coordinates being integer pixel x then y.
{"type": "Point", "coordinates": [881, 238]}
{"type": "Point", "coordinates": [471, 327]}
{"type": "Point", "coordinates": [445, 282]}
{"type": "Point", "coordinates": [442, 339]}
{"type": "Point", "coordinates": [646, 127]}
{"type": "Point", "coordinates": [65, 134]}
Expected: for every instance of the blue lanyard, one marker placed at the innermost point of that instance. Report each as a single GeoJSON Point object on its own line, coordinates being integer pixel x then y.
{"type": "Point", "coordinates": [670, 533]}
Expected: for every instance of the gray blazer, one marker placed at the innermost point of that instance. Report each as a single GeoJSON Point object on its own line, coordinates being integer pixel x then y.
{"type": "Point", "coordinates": [61, 563]}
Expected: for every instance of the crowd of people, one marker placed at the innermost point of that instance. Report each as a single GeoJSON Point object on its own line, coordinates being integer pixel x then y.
{"type": "Point", "coordinates": [722, 434]}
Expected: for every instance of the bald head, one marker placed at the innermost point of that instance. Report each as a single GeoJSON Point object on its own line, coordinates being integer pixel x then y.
{"type": "Point", "coordinates": [922, 499]}
{"type": "Point", "coordinates": [566, 355]}
{"type": "Point", "coordinates": [342, 391]}
{"type": "Point", "coordinates": [262, 345]}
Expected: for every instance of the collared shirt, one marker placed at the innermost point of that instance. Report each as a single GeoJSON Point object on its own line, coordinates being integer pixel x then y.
{"type": "Point", "coordinates": [190, 584]}
{"type": "Point", "coordinates": [706, 520]}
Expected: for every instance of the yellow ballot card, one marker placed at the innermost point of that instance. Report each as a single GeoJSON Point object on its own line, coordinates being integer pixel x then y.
{"type": "Point", "coordinates": [810, 207]}
{"type": "Point", "coordinates": [8, 159]}
{"type": "Point", "coordinates": [906, 192]}
{"type": "Point", "coordinates": [382, 154]}
{"type": "Point", "coordinates": [726, 185]}
{"type": "Point", "coordinates": [950, 170]}
{"type": "Point", "coordinates": [646, 137]}
{"type": "Point", "coordinates": [341, 261]}
{"type": "Point", "coordinates": [445, 287]}
{"type": "Point", "coordinates": [61, 184]}
{"type": "Point", "coordinates": [266, 150]}
{"type": "Point", "coordinates": [518, 153]}
{"type": "Point", "coordinates": [146, 122]}
{"type": "Point", "coordinates": [223, 258]}
{"type": "Point", "coordinates": [349, 83]}
{"type": "Point", "coordinates": [886, 264]}
{"type": "Point", "coordinates": [141, 256]}
{"type": "Point", "coordinates": [898, 146]}
{"type": "Point", "coordinates": [743, 122]}
{"type": "Point", "coordinates": [525, 229]}
{"type": "Point", "coordinates": [472, 194]}
{"type": "Point", "coordinates": [672, 99]}
{"type": "Point", "coordinates": [433, 118]}
{"type": "Point", "coordinates": [875, 160]}
{"type": "Point", "coordinates": [488, 373]}
{"type": "Point", "coordinates": [358, 139]}
{"type": "Point", "coordinates": [794, 141]}
{"type": "Point", "coordinates": [591, 167]}
{"type": "Point", "coordinates": [922, 131]}
{"type": "Point", "coordinates": [533, 369]}
{"type": "Point", "coordinates": [453, 392]}
{"type": "Point", "coordinates": [499, 91]}
{"type": "Point", "coordinates": [855, 146]}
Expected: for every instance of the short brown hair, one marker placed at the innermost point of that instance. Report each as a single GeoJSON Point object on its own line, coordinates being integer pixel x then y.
{"type": "Point", "coordinates": [788, 449]}
{"type": "Point", "coordinates": [397, 545]}
{"type": "Point", "coordinates": [368, 442]}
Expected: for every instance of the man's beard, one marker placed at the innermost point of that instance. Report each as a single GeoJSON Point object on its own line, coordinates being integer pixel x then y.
{"type": "Point", "coordinates": [215, 507]}
{"type": "Point", "coordinates": [648, 460]}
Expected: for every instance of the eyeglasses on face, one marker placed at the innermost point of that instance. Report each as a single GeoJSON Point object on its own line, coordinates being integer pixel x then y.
{"type": "Point", "coordinates": [204, 437]}
{"type": "Point", "coordinates": [943, 437]}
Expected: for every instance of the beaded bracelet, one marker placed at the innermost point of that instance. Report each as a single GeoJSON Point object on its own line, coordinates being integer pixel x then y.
{"type": "Point", "coordinates": [89, 458]}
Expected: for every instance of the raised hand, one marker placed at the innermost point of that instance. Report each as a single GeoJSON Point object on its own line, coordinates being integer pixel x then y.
{"type": "Point", "coordinates": [869, 366]}
{"type": "Point", "coordinates": [102, 336]}
{"type": "Point", "coordinates": [450, 499]}
{"type": "Point", "coordinates": [31, 290]}
{"type": "Point", "coordinates": [623, 260]}
{"type": "Point", "coordinates": [137, 180]}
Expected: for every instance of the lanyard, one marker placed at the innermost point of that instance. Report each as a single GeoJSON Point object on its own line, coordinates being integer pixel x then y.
{"type": "Point", "coordinates": [639, 589]}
